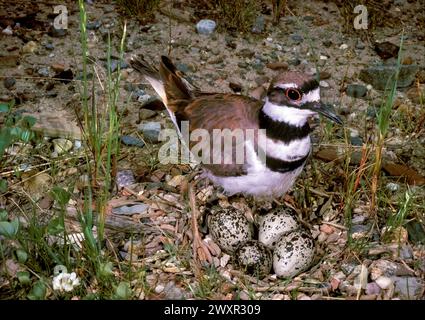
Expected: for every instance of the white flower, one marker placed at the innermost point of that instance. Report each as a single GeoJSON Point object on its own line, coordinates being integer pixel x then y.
{"type": "Point", "coordinates": [65, 281]}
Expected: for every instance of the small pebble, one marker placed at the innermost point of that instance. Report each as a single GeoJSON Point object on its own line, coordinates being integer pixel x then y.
{"type": "Point", "coordinates": [297, 38]}
{"type": "Point", "coordinates": [372, 288]}
{"type": "Point", "coordinates": [324, 75]}
{"type": "Point", "coordinates": [29, 47]}
{"type": "Point", "coordinates": [93, 25]}
{"type": "Point", "coordinates": [360, 45]}
{"type": "Point", "coordinates": [61, 146]}
{"type": "Point", "coordinates": [386, 49]}
{"type": "Point", "coordinates": [384, 282]}
{"type": "Point", "coordinates": [343, 46]}
{"type": "Point", "coordinates": [44, 72]}
{"type": "Point", "coordinates": [159, 288]}
{"type": "Point", "coordinates": [146, 114]}
{"type": "Point", "coordinates": [206, 26]}
{"type": "Point", "coordinates": [176, 181]}
{"type": "Point", "coordinates": [131, 210]}
{"type": "Point", "coordinates": [277, 66]}
{"type": "Point", "coordinates": [359, 231]}
{"type": "Point", "coordinates": [132, 141]}
{"type": "Point", "coordinates": [7, 31]}
{"type": "Point", "coordinates": [243, 295]}
{"type": "Point", "coordinates": [294, 62]}
{"type": "Point", "coordinates": [323, 84]}
{"type": "Point", "coordinates": [144, 98]}
{"type": "Point", "coordinates": [9, 82]}
{"type": "Point", "coordinates": [77, 144]}
{"type": "Point", "coordinates": [406, 252]}
{"type": "Point", "coordinates": [125, 178]}
{"type": "Point", "coordinates": [57, 33]}
{"type": "Point", "coordinates": [391, 186]}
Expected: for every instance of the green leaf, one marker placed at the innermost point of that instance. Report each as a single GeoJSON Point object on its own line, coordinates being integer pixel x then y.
{"type": "Point", "coordinates": [6, 140]}
{"type": "Point", "coordinates": [26, 135]}
{"type": "Point", "coordinates": [4, 107]}
{"type": "Point", "coordinates": [91, 296]}
{"type": "Point", "coordinates": [38, 291]}
{"type": "Point", "coordinates": [61, 196]}
{"type": "Point", "coordinates": [90, 241]}
{"type": "Point", "coordinates": [22, 255]}
{"type": "Point", "coordinates": [15, 223]}
{"type": "Point", "coordinates": [15, 132]}
{"type": "Point", "coordinates": [106, 269]}
{"type": "Point", "coordinates": [30, 121]}
{"type": "Point", "coordinates": [55, 226]}
{"type": "Point", "coordinates": [3, 215]}
{"type": "Point", "coordinates": [9, 229]}
{"type": "Point", "coordinates": [123, 291]}
{"type": "Point", "coordinates": [3, 185]}
{"type": "Point", "coordinates": [23, 277]}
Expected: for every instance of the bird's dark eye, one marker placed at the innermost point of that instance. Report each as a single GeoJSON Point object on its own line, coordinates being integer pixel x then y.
{"type": "Point", "coordinates": [293, 94]}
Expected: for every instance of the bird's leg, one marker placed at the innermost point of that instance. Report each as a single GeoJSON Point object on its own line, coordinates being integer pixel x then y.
{"type": "Point", "coordinates": [200, 250]}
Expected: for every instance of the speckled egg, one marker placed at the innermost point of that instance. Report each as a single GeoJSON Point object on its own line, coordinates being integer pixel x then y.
{"type": "Point", "coordinates": [274, 224]}
{"type": "Point", "coordinates": [229, 228]}
{"type": "Point", "coordinates": [293, 253]}
{"type": "Point", "coordinates": [254, 258]}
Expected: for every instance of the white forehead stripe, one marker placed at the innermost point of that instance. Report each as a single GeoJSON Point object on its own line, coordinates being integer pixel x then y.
{"type": "Point", "coordinates": [286, 85]}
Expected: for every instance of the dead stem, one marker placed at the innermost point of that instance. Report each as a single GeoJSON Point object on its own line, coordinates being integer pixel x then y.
{"type": "Point", "coordinates": [200, 251]}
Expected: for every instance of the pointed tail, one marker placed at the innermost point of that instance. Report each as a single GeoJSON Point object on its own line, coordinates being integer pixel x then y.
{"type": "Point", "coordinates": [151, 74]}
{"type": "Point", "coordinates": [167, 81]}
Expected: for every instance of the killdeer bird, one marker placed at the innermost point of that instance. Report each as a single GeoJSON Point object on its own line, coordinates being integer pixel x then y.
{"type": "Point", "coordinates": [277, 155]}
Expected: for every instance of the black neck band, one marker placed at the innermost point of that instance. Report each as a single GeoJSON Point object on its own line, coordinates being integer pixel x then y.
{"type": "Point", "coordinates": [280, 130]}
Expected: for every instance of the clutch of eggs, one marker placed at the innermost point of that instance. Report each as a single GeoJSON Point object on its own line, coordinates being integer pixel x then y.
{"type": "Point", "coordinates": [281, 242]}
{"type": "Point", "coordinates": [293, 247]}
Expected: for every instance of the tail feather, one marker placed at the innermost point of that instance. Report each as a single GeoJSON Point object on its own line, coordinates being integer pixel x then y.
{"type": "Point", "coordinates": [141, 65]}
{"type": "Point", "coordinates": [176, 88]}
{"type": "Point", "coordinates": [151, 74]}
{"type": "Point", "coordinates": [168, 82]}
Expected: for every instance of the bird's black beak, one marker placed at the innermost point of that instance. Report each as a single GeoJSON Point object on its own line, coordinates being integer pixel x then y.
{"type": "Point", "coordinates": [327, 111]}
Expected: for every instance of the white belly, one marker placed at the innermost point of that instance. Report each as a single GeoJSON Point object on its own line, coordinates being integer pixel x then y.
{"type": "Point", "coordinates": [260, 180]}
{"type": "Point", "coordinates": [262, 184]}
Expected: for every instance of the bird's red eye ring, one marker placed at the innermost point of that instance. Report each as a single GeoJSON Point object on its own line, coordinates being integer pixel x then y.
{"type": "Point", "coordinates": [293, 94]}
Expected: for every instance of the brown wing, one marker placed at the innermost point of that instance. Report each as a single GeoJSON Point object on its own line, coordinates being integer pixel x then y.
{"type": "Point", "coordinates": [223, 111]}
{"type": "Point", "coordinates": [206, 111]}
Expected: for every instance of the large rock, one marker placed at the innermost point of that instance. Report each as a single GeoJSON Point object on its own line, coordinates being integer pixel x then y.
{"type": "Point", "coordinates": [410, 288]}
{"type": "Point", "coordinates": [379, 76]}
{"type": "Point", "coordinates": [150, 131]}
